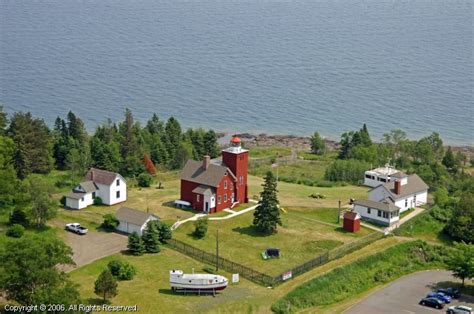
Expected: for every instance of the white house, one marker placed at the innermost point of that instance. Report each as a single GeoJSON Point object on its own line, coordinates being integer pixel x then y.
{"type": "Point", "coordinates": [132, 220]}
{"type": "Point", "coordinates": [384, 212]}
{"type": "Point", "coordinates": [404, 191]}
{"type": "Point", "coordinates": [378, 176]}
{"type": "Point", "coordinates": [111, 187]}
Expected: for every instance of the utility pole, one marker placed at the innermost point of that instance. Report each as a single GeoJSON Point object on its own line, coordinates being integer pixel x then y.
{"type": "Point", "coordinates": [217, 250]}
{"type": "Point", "coordinates": [339, 213]}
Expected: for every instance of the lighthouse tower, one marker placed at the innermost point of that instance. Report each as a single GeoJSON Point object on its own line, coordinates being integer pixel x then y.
{"type": "Point", "coordinates": [236, 159]}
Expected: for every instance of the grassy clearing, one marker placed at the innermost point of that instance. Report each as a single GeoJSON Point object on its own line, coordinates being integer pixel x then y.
{"type": "Point", "coordinates": [360, 276]}
{"type": "Point", "coordinates": [298, 239]}
{"type": "Point", "coordinates": [269, 152]}
{"type": "Point", "coordinates": [328, 215]}
{"type": "Point", "coordinates": [424, 227]}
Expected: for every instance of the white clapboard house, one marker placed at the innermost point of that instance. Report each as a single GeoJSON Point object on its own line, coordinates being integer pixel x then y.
{"type": "Point", "coordinates": [379, 176]}
{"type": "Point", "coordinates": [111, 187]}
{"type": "Point", "coordinates": [387, 201]}
{"type": "Point", "coordinates": [132, 220]}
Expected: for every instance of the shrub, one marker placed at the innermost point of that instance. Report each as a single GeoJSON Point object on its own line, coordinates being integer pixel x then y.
{"type": "Point", "coordinates": [98, 201]}
{"type": "Point", "coordinates": [121, 270]}
{"type": "Point", "coordinates": [440, 214]}
{"type": "Point", "coordinates": [110, 222]}
{"type": "Point", "coordinates": [135, 244]}
{"type": "Point", "coordinates": [200, 227]}
{"type": "Point", "coordinates": [62, 201]}
{"type": "Point", "coordinates": [18, 217]}
{"type": "Point", "coordinates": [144, 180]}
{"type": "Point", "coordinates": [165, 232]}
{"type": "Point", "coordinates": [16, 231]}
{"type": "Point", "coordinates": [346, 170]}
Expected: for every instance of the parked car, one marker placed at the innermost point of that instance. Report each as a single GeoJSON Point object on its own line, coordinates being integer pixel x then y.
{"type": "Point", "coordinates": [440, 296]}
{"type": "Point", "coordinates": [452, 292]}
{"type": "Point", "coordinates": [76, 228]}
{"type": "Point", "coordinates": [460, 309]}
{"type": "Point", "coordinates": [432, 302]}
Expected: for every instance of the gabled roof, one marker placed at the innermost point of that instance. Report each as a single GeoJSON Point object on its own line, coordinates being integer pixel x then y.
{"type": "Point", "coordinates": [384, 205]}
{"type": "Point", "coordinates": [399, 174]}
{"type": "Point", "coordinates": [133, 216]}
{"type": "Point", "coordinates": [414, 185]}
{"type": "Point", "coordinates": [75, 195]}
{"type": "Point", "coordinates": [203, 189]}
{"type": "Point", "coordinates": [351, 215]}
{"type": "Point", "coordinates": [88, 186]}
{"type": "Point", "coordinates": [194, 171]}
{"type": "Point", "coordinates": [101, 176]}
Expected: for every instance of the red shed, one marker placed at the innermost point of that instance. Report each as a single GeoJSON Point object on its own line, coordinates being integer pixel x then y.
{"type": "Point", "coordinates": [352, 221]}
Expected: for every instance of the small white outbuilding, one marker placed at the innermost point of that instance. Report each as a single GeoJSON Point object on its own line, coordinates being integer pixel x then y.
{"type": "Point", "coordinates": [132, 220]}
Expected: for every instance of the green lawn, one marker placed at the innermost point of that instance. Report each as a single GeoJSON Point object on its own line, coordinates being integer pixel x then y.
{"type": "Point", "coordinates": [424, 227]}
{"type": "Point", "coordinates": [299, 239]}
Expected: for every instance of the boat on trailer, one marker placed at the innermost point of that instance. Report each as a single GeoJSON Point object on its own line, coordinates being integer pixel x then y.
{"type": "Point", "coordinates": [210, 283]}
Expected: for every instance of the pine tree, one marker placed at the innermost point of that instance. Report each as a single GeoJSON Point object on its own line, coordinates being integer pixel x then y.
{"type": "Point", "coordinates": [318, 146]}
{"type": "Point", "coordinates": [135, 244]}
{"type": "Point", "coordinates": [165, 232]}
{"type": "Point", "coordinates": [211, 147]}
{"type": "Point", "coordinates": [267, 213]}
{"type": "Point", "coordinates": [151, 238]}
{"type": "Point", "coordinates": [154, 125]}
{"type": "Point", "coordinates": [3, 121]}
{"type": "Point", "coordinates": [106, 285]}
{"type": "Point", "coordinates": [173, 136]}
{"type": "Point", "coordinates": [449, 161]}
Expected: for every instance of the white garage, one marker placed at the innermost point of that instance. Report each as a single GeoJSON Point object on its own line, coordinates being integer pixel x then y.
{"type": "Point", "coordinates": [132, 220]}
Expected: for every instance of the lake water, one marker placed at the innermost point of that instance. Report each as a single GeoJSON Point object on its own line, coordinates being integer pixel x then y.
{"type": "Point", "coordinates": [286, 67]}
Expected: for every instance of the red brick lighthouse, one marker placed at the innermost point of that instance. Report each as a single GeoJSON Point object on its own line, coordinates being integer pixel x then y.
{"type": "Point", "coordinates": [211, 186]}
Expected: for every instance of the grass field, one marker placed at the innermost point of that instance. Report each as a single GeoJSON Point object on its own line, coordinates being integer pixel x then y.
{"type": "Point", "coordinates": [424, 227]}
{"type": "Point", "coordinates": [150, 288]}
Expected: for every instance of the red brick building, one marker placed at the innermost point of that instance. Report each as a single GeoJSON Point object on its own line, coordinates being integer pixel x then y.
{"type": "Point", "coordinates": [211, 186]}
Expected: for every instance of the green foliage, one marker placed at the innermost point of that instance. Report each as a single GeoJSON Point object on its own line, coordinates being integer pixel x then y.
{"type": "Point", "coordinates": [461, 261]}
{"type": "Point", "coordinates": [135, 244]}
{"type": "Point", "coordinates": [164, 232]}
{"type": "Point", "coordinates": [151, 238]}
{"type": "Point", "coordinates": [29, 271]}
{"type": "Point", "coordinates": [121, 270]}
{"type": "Point", "coordinates": [105, 286]}
{"type": "Point", "coordinates": [346, 170]}
{"type": "Point", "coordinates": [43, 207]}
{"type": "Point", "coordinates": [461, 224]}
{"type": "Point", "coordinates": [211, 147]}
{"type": "Point", "coordinates": [200, 226]}
{"type": "Point", "coordinates": [16, 231]}
{"type": "Point", "coordinates": [318, 146]}
{"type": "Point", "coordinates": [144, 180]}
{"type": "Point", "coordinates": [352, 139]}
{"type": "Point", "coordinates": [362, 275]}
{"type": "Point", "coordinates": [181, 155]}
{"type": "Point", "coordinates": [267, 213]}
{"type": "Point", "coordinates": [441, 197]}
{"type": "Point", "coordinates": [450, 161]}
{"type": "Point", "coordinates": [441, 214]}
{"type": "Point", "coordinates": [98, 201]}
{"type": "Point", "coordinates": [18, 217]}
{"type": "Point", "coordinates": [110, 223]}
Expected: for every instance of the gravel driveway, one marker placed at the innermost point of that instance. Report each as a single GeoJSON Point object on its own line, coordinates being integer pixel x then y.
{"type": "Point", "coordinates": [403, 295]}
{"type": "Point", "coordinates": [93, 246]}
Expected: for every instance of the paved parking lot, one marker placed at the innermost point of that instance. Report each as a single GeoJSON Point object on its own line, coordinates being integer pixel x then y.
{"type": "Point", "coordinates": [403, 295]}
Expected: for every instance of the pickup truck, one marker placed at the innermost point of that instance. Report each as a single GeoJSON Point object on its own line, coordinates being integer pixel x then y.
{"type": "Point", "coordinates": [76, 228]}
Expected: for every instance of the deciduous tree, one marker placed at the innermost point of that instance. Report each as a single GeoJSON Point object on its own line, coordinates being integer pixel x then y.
{"type": "Point", "coordinates": [106, 286]}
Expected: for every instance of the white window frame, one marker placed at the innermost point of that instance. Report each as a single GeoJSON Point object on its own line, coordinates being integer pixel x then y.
{"type": "Point", "coordinates": [117, 194]}
{"type": "Point", "coordinates": [219, 199]}
{"type": "Point", "coordinates": [197, 197]}
{"type": "Point", "coordinates": [225, 184]}
{"type": "Point", "coordinates": [117, 182]}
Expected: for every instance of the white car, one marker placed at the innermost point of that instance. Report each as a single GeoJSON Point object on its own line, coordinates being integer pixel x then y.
{"type": "Point", "coordinates": [76, 228]}
{"type": "Point", "coordinates": [460, 309]}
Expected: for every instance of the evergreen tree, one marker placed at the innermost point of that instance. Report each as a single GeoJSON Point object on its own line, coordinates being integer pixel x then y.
{"type": "Point", "coordinates": [318, 146]}
{"type": "Point", "coordinates": [173, 136]}
{"type": "Point", "coordinates": [450, 161]}
{"type": "Point", "coordinates": [211, 147]}
{"type": "Point", "coordinates": [165, 232]}
{"type": "Point", "coordinates": [197, 140]}
{"type": "Point", "coordinates": [149, 166]}
{"type": "Point", "coordinates": [76, 129]}
{"type": "Point", "coordinates": [33, 142]}
{"type": "Point", "coordinates": [158, 152]}
{"type": "Point", "coordinates": [154, 125]}
{"type": "Point", "coordinates": [267, 213]}
{"type": "Point", "coordinates": [151, 238]}
{"type": "Point", "coordinates": [106, 285]}
{"type": "Point", "coordinates": [18, 217]}
{"type": "Point", "coordinates": [181, 156]}
{"type": "Point", "coordinates": [8, 177]}
{"type": "Point", "coordinates": [135, 244]}
{"type": "Point", "coordinates": [3, 121]}
{"type": "Point", "coordinates": [200, 227]}
{"type": "Point", "coordinates": [131, 146]}
{"type": "Point", "coordinates": [365, 139]}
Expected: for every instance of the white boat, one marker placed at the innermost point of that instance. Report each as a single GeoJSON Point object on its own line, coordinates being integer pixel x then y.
{"type": "Point", "coordinates": [198, 282]}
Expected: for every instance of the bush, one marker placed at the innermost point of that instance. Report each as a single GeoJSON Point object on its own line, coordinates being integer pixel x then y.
{"type": "Point", "coordinates": [110, 222]}
{"type": "Point", "coordinates": [200, 227]}
{"type": "Point", "coordinates": [440, 214]}
{"type": "Point", "coordinates": [18, 217]}
{"type": "Point", "coordinates": [16, 231]}
{"type": "Point", "coordinates": [350, 170]}
{"type": "Point", "coordinates": [121, 270]}
{"type": "Point", "coordinates": [98, 201]}
{"type": "Point", "coordinates": [144, 180]}
{"type": "Point", "coordinates": [62, 201]}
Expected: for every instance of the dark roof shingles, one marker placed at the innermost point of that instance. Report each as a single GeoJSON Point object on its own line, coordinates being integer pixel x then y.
{"type": "Point", "coordinates": [100, 176]}
{"type": "Point", "coordinates": [194, 172]}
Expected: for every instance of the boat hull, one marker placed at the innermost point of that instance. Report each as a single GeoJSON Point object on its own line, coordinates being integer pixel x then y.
{"type": "Point", "coordinates": [214, 287]}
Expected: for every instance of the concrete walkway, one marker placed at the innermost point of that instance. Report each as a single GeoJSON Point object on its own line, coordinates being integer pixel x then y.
{"type": "Point", "coordinates": [197, 216]}
{"type": "Point", "coordinates": [417, 211]}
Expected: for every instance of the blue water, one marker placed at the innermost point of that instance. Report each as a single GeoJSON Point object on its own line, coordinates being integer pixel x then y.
{"type": "Point", "coordinates": [259, 66]}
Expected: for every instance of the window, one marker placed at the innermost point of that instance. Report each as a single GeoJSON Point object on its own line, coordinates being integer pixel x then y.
{"type": "Point", "coordinates": [117, 182]}
{"type": "Point", "coordinates": [225, 173]}
{"type": "Point", "coordinates": [225, 197]}
{"type": "Point", "coordinates": [368, 176]}
{"type": "Point", "coordinates": [82, 199]}
{"type": "Point", "coordinates": [414, 199]}
{"type": "Point", "coordinates": [385, 215]}
{"type": "Point", "coordinates": [197, 198]}
{"type": "Point", "coordinates": [225, 184]}
{"type": "Point", "coordinates": [406, 202]}
{"type": "Point", "coordinates": [219, 199]}
{"type": "Point", "coordinates": [93, 194]}
{"type": "Point", "coordinates": [383, 180]}
{"type": "Point", "coordinates": [368, 210]}
{"type": "Point", "coordinates": [118, 194]}
{"type": "Point", "coordinates": [379, 213]}
{"type": "Point", "coordinates": [241, 180]}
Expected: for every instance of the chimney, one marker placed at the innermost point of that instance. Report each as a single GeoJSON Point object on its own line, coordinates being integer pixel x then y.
{"type": "Point", "coordinates": [92, 175]}
{"type": "Point", "coordinates": [206, 161]}
{"type": "Point", "coordinates": [398, 187]}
